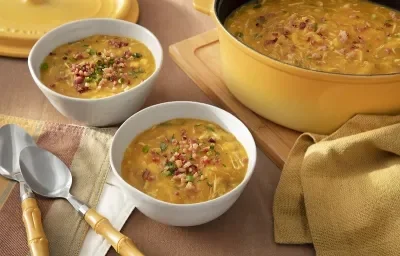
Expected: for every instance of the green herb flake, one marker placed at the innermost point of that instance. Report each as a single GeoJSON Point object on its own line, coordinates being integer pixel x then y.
{"type": "Point", "coordinates": [163, 146]}
{"type": "Point", "coordinates": [190, 178]}
{"type": "Point", "coordinates": [212, 147]}
{"type": "Point", "coordinates": [85, 45]}
{"type": "Point", "coordinates": [121, 80]}
{"type": "Point", "coordinates": [91, 51]}
{"type": "Point", "coordinates": [239, 34]}
{"type": "Point", "coordinates": [168, 173]}
{"type": "Point", "coordinates": [210, 128]}
{"type": "Point", "coordinates": [209, 184]}
{"type": "Point", "coordinates": [257, 6]}
{"type": "Point", "coordinates": [224, 165]}
{"type": "Point", "coordinates": [44, 66]}
{"type": "Point", "coordinates": [171, 166]}
{"type": "Point", "coordinates": [146, 149]}
{"type": "Point", "coordinates": [173, 136]}
{"type": "Point", "coordinates": [137, 55]}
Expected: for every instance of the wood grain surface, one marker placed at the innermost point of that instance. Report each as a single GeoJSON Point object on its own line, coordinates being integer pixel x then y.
{"type": "Point", "coordinates": [247, 228]}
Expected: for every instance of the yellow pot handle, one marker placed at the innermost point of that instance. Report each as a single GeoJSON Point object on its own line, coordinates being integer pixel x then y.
{"type": "Point", "coordinates": [121, 243]}
{"type": "Point", "coordinates": [37, 241]}
{"type": "Point", "coordinates": [204, 6]}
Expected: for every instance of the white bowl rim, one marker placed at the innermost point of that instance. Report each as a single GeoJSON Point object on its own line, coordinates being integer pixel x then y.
{"type": "Point", "coordinates": [54, 93]}
{"type": "Point", "coordinates": [250, 168]}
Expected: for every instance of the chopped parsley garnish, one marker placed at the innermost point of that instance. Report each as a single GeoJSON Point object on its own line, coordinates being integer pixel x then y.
{"type": "Point", "coordinates": [146, 149]}
{"type": "Point", "coordinates": [168, 173]}
{"type": "Point", "coordinates": [171, 166]}
{"type": "Point", "coordinates": [163, 146]}
{"type": "Point", "coordinates": [44, 66]}
{"type": "Point", "coordinates": [85, 45]}
{"type": "Point", "coordinates": [239, 34]}
{"type": "Point", "coordinates": [121, 80]}
{"type": "Point", "coordinates": [212, 147]}
{"type": "Point", "coordinates": [209, 184]}
{"type": "Point", "coordinates": [189, 178]}
{"type": "Point", "coordinates": [173, 136]}
{"type": "Point", "coordinates": [91, 51]}
{"type": "Point", "coordinates": [256, 6]}
{"type": "Point", "coordinates": [137, 55]}
{"type": "Point", "coordinates": [224, 165]}
{"type": "Point", "coordinates": [210, 128]}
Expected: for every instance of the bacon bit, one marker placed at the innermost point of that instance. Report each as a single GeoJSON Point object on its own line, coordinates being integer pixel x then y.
{"type": "Point", "coordinates": [286, 32]}
{"type": "Point", "coordinates": [275, 33]}
{"type": "Point", "coordinates": [187, 164]}
{"type": "Point", "coordinates": [353, 16]}
{"type": "Point", "coordinates": [387, 24]}
{"type": "Point", "coordinates": [205, 149]}
{"type": "Point", "coordinates": [273, 41]}
{"type": "Point", "coordinates": [302, 25]}
{"type": "Point", "coordinates": [146, 175]}
{"type": "Point", "coordinates": [53, 85]}
{"type": "Point", "coordinates": [181, 170]}
{"type": "Point", "coordinates": [212, 140]}
{"type": "Point", "coordinates": [177, 193]}
{"type": "Point", "coordinates": [116, 43]}
{"type": "Point", "coordinates": [245, 160]}
{"type": "Point", "coordinates": [52, 54]}
{"type": "Point", "coordinates": [78, 80]}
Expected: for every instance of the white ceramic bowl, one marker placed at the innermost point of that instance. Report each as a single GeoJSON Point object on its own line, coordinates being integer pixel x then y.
{"type": "Point", "coordinates": [181, 214]}
{"type": "Point", "coordinates": [104, 111]}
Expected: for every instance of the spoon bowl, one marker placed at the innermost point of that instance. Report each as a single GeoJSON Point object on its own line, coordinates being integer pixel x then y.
{"type": "Point", "coordinates": [53, 178]}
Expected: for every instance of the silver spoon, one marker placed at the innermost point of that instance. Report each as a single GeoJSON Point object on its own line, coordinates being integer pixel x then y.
{"type": "Point", "coordinates": [48, 176]}
{"type": "Point", "coordinates": [12, 140]}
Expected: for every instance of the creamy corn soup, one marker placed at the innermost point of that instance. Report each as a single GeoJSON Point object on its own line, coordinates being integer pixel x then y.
{"type": "Point", "coordinates": [96, 67]}
{"type": "Point", "coordinates": [185, 161]}
{"type": "Point", "coordinates": [341, 36]}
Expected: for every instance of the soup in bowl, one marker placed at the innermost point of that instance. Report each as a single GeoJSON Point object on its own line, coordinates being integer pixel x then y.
{"type": "Point", "coordinates": [185, 163]}
{"type": "Point", "coordinates": [96, 71]}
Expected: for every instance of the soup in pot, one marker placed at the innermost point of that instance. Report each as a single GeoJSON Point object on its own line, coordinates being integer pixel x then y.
{"type": "Point", "coordinates": [185, 161]}
{"type": "Point", "coordinates": [97, 66]}
{"type": "Point", "coordinates": [340, 36]}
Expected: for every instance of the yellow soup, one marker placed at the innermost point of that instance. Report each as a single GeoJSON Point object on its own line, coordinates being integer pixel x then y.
{"type": "Point", "coordinates": [340, 36]}
{"type": "Point", "coordinates": [96, 67]}
{"type": "Point", "coordinates": [185, 161]}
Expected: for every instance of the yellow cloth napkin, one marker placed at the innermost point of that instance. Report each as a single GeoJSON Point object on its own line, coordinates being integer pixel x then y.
{"type": "Point", "coordinates": [342, 192]}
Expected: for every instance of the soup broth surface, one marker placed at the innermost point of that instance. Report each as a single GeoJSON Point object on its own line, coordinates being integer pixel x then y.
{"type": "Point", "coordinates": [339, 36]}
{"type": "Point", "coordinates": [97, 66]}
{"type": "Point", "coordinates": [185, 161]}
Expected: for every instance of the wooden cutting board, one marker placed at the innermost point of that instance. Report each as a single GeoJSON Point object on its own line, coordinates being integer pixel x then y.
{"type": "Point", "coordinates": [199, 58]}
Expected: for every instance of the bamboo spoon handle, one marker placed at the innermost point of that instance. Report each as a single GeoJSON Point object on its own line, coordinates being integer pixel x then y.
{"type": "Point", "coordinates": [37, 241]}
{"type": "Point", "coordinates": [121, 243]}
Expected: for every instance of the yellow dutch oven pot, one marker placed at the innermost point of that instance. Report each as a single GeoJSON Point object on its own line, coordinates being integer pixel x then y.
{"type": "Point", "coordinates": [301, 99]}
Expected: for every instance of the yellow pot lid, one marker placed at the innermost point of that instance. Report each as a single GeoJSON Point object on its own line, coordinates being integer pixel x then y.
{"type": "Point", "coordinates": [23, 22]}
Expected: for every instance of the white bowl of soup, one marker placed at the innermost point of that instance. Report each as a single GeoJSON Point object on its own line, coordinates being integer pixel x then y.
{"type": "Point", "coordinates": [309, 65]}
{"type": "Point", "coordinates": [96, 71]}
{"type": "Point", "coordinates": [184, 163]}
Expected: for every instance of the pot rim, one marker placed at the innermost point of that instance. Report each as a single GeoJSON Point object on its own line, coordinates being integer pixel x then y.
{"type": "Point", "coordinates": [282, 66]}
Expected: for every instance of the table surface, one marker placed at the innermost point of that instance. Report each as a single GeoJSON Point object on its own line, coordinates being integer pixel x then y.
{"type": "Point", "coordinates": [247, 228]}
